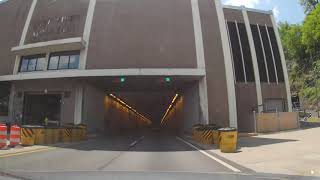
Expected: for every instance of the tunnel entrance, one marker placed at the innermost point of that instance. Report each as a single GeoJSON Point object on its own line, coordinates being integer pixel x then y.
{"type": "Point", "coordinates": [144, 112]}
{"type": "Point", "coordinates": [152, 104]}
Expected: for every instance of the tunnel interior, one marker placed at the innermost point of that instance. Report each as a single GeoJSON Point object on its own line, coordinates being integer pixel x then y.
{"type": "Point", "coordinates": [142, 112]}
{"type": "Point", "coordinates": [138, 105]}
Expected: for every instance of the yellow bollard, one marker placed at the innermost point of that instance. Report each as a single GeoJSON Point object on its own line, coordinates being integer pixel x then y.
{"type": "Point", "coordinates": [228, 140]}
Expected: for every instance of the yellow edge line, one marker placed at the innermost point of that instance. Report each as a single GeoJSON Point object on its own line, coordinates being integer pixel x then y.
{"type": "Point", "coordinates": [27, 152]}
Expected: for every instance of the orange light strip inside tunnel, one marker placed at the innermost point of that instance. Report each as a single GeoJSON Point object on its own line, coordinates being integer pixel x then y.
{"type": "Point", "coordinates": [130, 108]}
{"type": "Point", "coordinates": [169, 108]}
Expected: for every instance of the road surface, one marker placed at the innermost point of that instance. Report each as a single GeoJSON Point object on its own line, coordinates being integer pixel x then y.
{"type": "Point", "coordinates": [127, 157]}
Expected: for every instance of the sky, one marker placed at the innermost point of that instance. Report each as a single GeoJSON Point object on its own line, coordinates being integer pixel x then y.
{"type": "Point", "coordinates": [284, 10]}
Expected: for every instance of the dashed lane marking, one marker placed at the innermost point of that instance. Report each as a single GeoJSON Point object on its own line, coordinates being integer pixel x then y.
{"type": "Point", "coordinates": [210, 156]}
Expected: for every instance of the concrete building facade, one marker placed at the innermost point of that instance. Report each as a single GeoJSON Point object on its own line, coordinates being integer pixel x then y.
{"type": "Point", "coordinates": [66, 59]}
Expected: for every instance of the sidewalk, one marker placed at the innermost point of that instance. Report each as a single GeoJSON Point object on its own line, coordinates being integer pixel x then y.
{"type": "Point", "coordinates": [290, 153]}
{"type": "Point", "coordinates": [19, 150]}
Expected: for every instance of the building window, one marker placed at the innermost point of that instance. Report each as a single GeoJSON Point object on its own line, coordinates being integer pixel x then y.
{"type": "Point", "coordinates": [64, 60]}
{"type": "Point", "coordinates": [274, 105]}
{"type": "Point", "coordinates": [260, 53]}
{"type": "Point", "coordinates": [268, 54]}
{"type": "Point", "coordinates": [246, 52]}
{"type": "Point", "coordinates": [4, 98]}
{"type": "Point", "coordinates": [236, 52]}
{"type": "Point", "coordinates": [33, 63]}
{"type": "Point", "coordinates": [276, 53]}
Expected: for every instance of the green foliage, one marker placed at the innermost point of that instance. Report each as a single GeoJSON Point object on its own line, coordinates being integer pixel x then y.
{"type": "Point", "coordinates": [311, 32]}
{"type": "Point", "coordinates": [309, 5]}
{"type": "Point", "coordinates": [301, 45]}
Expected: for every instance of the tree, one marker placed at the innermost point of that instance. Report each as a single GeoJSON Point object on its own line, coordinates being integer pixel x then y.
{"type": "Point", "coordinates": [311, 32]}
{"type": "Point", "coordinates": [309, 5]}
{"type": "Point", "coordinates": [301, 43]}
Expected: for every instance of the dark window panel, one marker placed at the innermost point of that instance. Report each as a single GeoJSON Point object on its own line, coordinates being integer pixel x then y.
{"type": "Point", "coordinates": [246, 52]}
{"type": "Point", "coordinates": [24, 65]}
{"type": "Point", "coordinates": [32, 64]}
{"type": "Point", "coordinates": [267, 49]}
{"type": "Point", "coordinates": [238, 66]}
{"type": "Point", "coordinates": [259, 52]}
{"type": "Point", "coordinates": [74, 62]}
{"type": "Point", "coordinates": [64, 62]}
{"type": "Point", "coordinates": [276, 53]}
{"type": "Point", "coordinates": [53, 63]}
{"type": "Point", "coordinates": [4, 98]}
{"type": "Point", "coordinates": [41, 64]}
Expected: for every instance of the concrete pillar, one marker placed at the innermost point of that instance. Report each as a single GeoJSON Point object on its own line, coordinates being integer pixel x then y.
{"type": "Point", "coordinates": [78, 105]}
{"type": "Point", "coordinates": [283, 62]}
{"type": "Point", "coordinates": [254, 60]}
{"type": "Point", "coordinates": [233, 122]}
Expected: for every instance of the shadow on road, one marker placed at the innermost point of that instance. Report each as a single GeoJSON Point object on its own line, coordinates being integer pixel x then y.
{"type": "Point", "coordinates": [257, 141]}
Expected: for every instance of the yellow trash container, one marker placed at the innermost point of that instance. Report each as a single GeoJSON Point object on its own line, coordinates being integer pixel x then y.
{"type": "Point", "coordinates": [228, 140]}
{"type": "Point", "coordinates": [40, 135]}
{"type": "Point", "coordinates": [27, 136]}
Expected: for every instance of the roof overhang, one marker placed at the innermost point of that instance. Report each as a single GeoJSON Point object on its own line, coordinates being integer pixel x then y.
{"type": "Point", "coordinates": [193, 72]}
{"type": "Point", "coordinates": [68, 44]}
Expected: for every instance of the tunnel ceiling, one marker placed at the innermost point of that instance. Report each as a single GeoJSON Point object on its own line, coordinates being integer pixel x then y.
{"type": "Point", "coordinates": [151, 104]}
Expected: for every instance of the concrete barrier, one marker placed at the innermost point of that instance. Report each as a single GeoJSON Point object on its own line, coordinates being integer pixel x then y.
{"type": "Point", "coordinates": [273, 122]}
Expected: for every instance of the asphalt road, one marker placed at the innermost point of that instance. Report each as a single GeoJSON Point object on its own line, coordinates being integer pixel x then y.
{"type": "Point", "coordinates": [148, 157]}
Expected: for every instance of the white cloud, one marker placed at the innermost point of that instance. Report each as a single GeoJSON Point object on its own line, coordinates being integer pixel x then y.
{"type": "Point", "coordinates": [276, 12]}
{"type": "Point", "coordinates": [246, 3]}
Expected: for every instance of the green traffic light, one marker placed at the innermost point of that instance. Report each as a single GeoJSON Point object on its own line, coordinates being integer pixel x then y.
{"type": "Point", "coordinates": [122, 79]}
{"type": "Point", "coordinates": [167, 79]}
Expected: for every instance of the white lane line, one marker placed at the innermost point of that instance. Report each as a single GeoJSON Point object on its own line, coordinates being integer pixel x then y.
{"type": "Point", "coordinates": [136, 141]}
{"type": "Point", "coordinates": [210, 156]}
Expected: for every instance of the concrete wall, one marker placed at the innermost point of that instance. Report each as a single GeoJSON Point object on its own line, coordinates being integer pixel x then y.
{"type": "Point", "coordinates": [93, 108]}
{"type": "Point", "coordinates": [259, 18]}
{"type": "Point", "coordinates": [233, 15]}
{"type": "Point", "coordinates": [215, 68]}
{"type": "Point", "coordinates": [13, 15]}
{"type": "Point", "coordinates": [55, 86]}
{"type": "Point", "coordinates": [246, 103]}
{"type": "Point", "coordinates": [57, 19]}
{"type": "Point", "coordinates": [173, 123]}
{"type": "Point", "coordinates": [272, 122]}
{"type": "Point", "coordinates": [142, 34]}
{"type": "Point", "coordinates": [191, 108]}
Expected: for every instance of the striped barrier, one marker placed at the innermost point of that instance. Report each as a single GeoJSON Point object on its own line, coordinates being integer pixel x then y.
{"type": "Point", "coordinates": [3, 136]}
{"type": "Point", "coordinates": [27, 137]}
{"type": "Point", "coordinates": [203, 136]}
{"type": "Point", "coordinates": [66, 134]}
{"type": "Point", "coordinates": [14, 135]}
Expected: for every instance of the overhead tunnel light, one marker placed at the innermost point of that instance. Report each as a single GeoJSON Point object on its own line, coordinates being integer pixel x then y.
{"type": "Point", "coordinates": [130, 108]}
{"type": "Point", "coordinates": [169, 108]}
